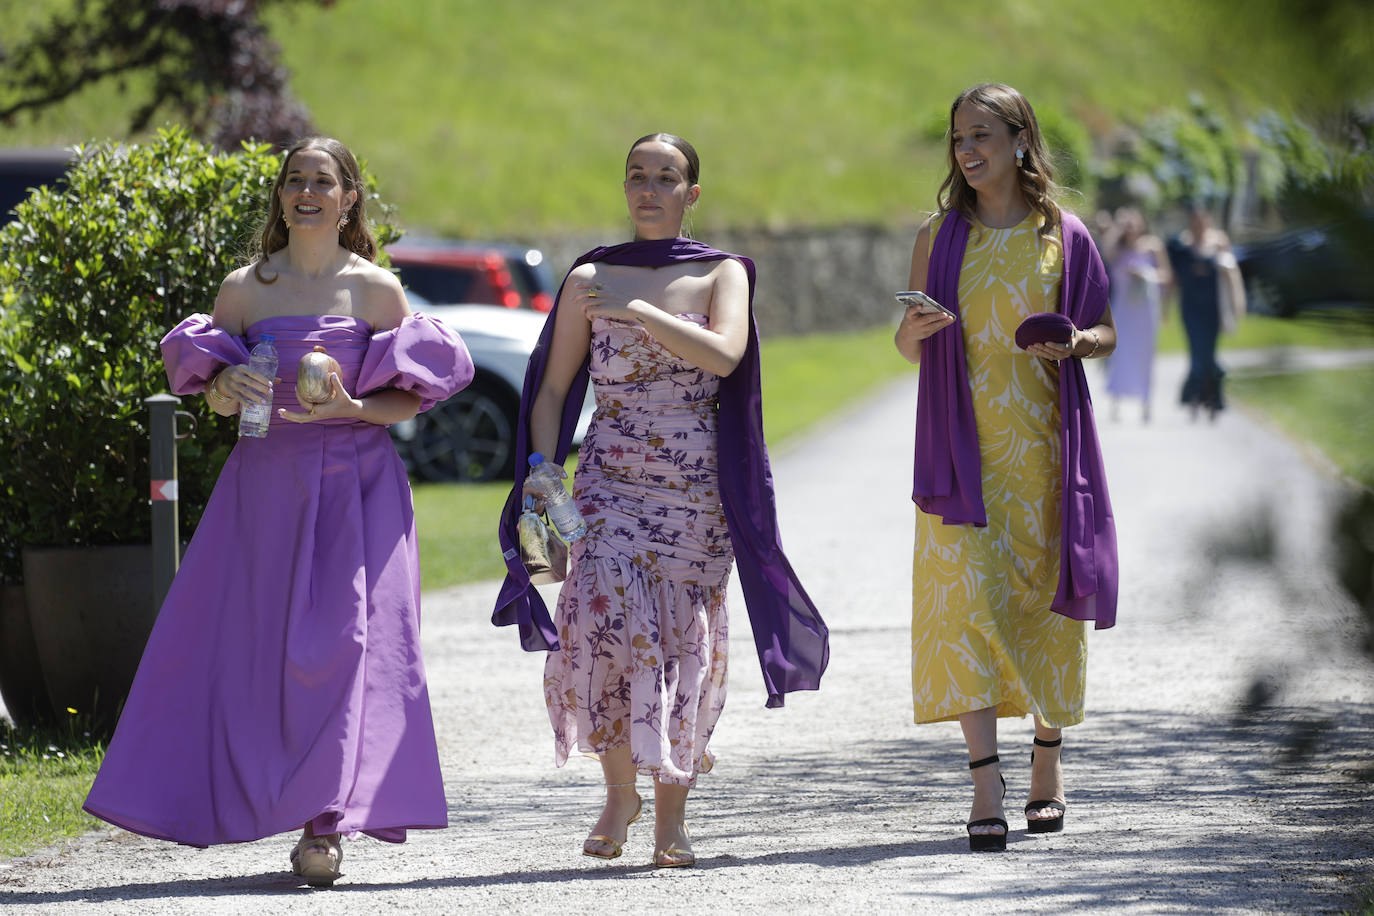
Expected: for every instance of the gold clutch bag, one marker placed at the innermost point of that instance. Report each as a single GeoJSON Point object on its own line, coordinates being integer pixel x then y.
{"type": "Point", "coordinates": [544, 555]}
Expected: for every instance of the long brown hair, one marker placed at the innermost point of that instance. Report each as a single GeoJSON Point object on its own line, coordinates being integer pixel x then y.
{"type": "Point", "coordinates": [1036, 172]}
{"type": "Point", "coordinates": [356, 237]}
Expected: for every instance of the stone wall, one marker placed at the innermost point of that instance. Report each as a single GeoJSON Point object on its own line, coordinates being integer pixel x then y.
{"type": "Point", "coordinates": [835, 279]}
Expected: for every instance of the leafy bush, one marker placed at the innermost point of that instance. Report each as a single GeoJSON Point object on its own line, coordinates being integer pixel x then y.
{"type": "Point", "coordinates": [92, 276]}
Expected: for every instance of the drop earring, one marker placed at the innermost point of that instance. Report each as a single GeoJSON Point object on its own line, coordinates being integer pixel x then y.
{"type": "Point", "coordinates": [1020, 158]}
{"type": "Point", "coordinates": [343, 221]}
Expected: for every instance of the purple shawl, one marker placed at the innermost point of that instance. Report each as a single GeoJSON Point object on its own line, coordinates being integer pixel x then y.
{"type": "Point", "coordinates": [948, 466]}
{"type": "Point", "coordinates": [792, 641]}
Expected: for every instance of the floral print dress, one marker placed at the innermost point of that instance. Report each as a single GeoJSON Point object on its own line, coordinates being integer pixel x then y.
{"type": "Point", "coordinates": [641, 618]}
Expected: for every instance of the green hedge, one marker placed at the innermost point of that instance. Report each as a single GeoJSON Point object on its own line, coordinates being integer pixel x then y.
{"type": "Point", "coordinates": [92, 275]}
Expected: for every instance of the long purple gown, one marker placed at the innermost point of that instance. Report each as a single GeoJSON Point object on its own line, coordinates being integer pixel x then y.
{"type": "Point", "coordinates": [282, 682]}
{"type": "Point", "coordinates": [1135, 297]}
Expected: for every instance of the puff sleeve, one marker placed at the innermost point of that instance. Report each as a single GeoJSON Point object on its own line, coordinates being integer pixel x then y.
{"type": "Point", "coordinates": [421, 355]}
{"type": "Point", "coordinates": [195, 351]}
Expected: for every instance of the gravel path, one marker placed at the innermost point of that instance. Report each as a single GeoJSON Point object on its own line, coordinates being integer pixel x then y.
{"type": "Point", "coordinates": [1179, 802]}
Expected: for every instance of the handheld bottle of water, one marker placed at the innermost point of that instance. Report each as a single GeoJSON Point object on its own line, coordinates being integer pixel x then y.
{"type": "Point", "coordinates": [558, 503]}
{"type": "Point", "coordinates": [255, 417]}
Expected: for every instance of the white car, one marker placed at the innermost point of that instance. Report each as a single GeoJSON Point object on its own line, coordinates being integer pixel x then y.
{"type": "Point", "coordinates": [471, 436]}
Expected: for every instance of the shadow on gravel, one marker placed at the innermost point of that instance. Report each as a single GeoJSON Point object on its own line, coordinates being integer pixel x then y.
{"type": "Point", "coordinates": [1201, 811]}
{"type": "Point", "coordinates": [1196, 812]}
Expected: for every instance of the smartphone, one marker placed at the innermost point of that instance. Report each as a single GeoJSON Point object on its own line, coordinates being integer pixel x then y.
{"type": "Point", "coordinates": [923, 303]}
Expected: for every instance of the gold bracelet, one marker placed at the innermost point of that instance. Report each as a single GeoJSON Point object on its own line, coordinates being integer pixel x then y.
{"type": "Point", "coordinates": [1097, 342]}
{"type": "Point", "coordinates": [214, 393]}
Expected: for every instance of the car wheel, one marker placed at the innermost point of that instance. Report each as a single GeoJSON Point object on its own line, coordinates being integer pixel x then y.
{"type": "Point", "coordinates": [471, 436]}
{"type": "Point", "coordinates": [1265, 298]}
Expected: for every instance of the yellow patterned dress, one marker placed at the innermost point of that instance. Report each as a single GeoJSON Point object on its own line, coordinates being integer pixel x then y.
{"type": "Point", "coordinates": [982, 632]}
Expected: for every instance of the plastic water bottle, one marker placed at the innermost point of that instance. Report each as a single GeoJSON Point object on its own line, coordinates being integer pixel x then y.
{"type": "Point", "coordinates": [558, 503]}
{"type": "Point", "coordinates": [255, 417]}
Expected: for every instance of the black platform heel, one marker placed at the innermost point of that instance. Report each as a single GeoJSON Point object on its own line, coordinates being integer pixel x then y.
{"type": "Point", "coordinates": [988, 842]}
{"type": "Point", "coordinates": [1045, 824]}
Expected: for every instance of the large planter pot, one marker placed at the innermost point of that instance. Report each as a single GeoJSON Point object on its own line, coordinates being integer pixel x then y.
{"type": "Point", "coordinates": [21, 677]}
{"type": "Point", "coordinates": [91, 609]}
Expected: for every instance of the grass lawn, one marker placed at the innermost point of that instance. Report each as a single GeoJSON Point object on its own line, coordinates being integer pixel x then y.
{"type": "Point", "coordinates": [1330, 410]}
{"type": "Point", "coordinates": [44, 778]}
{"type": "Point", "coordinates": [1261, 332]}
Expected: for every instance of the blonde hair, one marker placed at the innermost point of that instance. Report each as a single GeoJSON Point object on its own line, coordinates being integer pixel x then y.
{"type": "Point", "coordinates": [1035, 173]}
{"type": "Point", "coordinates": [356, 237]}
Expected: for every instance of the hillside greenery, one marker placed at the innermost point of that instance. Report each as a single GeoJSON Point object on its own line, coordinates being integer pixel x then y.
{"type": "Point", "coordinates": [511, 120]}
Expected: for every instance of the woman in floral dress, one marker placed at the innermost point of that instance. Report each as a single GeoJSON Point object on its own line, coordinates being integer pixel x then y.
{"type": "Point", "coordinates": [636, 671]}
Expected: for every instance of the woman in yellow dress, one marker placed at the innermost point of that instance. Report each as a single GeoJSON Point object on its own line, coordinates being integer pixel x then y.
{"type": "Point", "coordinates": [1015, 543]}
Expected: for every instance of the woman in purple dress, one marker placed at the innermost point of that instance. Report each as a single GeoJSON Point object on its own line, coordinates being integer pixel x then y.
{"type": "Point", "coordinates": [1139, 271]}
{"type": "Point", "coordinates": [282, 684]}
{"type": "Point", "coordinates": [673, 483]}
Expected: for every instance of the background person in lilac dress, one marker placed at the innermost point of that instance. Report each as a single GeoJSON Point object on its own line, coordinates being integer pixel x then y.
{"type": "Point", "coordinates": [638, 679]}
{"type": "Point", "coordinates": [1139, 271]}
{"type": "Point", "coordinates": [282, 684]}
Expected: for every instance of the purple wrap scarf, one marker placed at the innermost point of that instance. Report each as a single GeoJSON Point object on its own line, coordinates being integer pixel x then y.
{"type": "Point", "coordinates": [791, 639]}
{"type": "Point", "coordinates": [948, 479]}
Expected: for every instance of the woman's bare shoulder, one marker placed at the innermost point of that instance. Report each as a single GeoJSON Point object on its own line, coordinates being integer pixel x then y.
{"type": "Point", "coordinates": [583, 271]}
{"type": "Point", "coordinates": [237, 294]}
{"type": "Point", "coordinates": [382, 299]}
{"type": "Point", "coordinates": [730, 269]}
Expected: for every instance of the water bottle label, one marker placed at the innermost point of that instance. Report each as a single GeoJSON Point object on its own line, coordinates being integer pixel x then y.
{"type": "Point", "coordinates": [565, 517]}
{"type": "Point", "coordinates": [254, 420]}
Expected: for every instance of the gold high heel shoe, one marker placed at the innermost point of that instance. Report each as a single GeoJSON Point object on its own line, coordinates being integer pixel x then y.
{"type": "Point", "coordinates": [611, 841]}
{"type": "Point", "coordinates": [672, 857]}
{"type": "Point", "coordinates": [317, 859]}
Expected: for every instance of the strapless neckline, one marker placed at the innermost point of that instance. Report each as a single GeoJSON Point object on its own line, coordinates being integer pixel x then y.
{"type": "Point", "coordinates": [311, 320]}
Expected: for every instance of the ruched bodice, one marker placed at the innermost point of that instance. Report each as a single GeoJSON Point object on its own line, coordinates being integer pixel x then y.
{"type": "Point", "coordinates": [654, 426]}
{"type": "Point", "coordinates": [345, 338]}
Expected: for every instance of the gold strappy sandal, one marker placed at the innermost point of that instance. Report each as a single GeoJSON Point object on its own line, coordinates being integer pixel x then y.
{"type": "Point", "coordinates": [673, 857]}
{"type": "Point", "coordinates": [611, 841]}
{"type": "Point", "coordinates": [317, 859]}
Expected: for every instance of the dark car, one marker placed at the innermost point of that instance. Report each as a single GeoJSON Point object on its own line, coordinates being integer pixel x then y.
{"type": "Point", "coordinates": [490, 273]}
{"type": "Point", "coordinates": [1311, 268]}
{"type": "Point", "coordinates": [22, 170]}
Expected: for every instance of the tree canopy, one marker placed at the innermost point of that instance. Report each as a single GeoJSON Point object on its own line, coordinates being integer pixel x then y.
{"type": "Point", "coordinates": [211, 62]}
